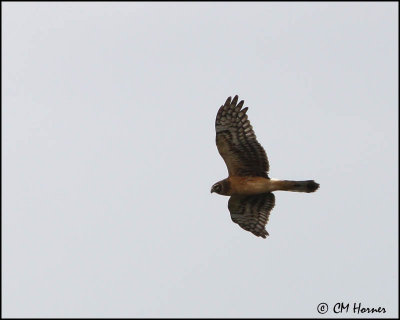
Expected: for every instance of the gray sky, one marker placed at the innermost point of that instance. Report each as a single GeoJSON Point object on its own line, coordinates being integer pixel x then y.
{"type": "Point", "coordinates": [109, 155]}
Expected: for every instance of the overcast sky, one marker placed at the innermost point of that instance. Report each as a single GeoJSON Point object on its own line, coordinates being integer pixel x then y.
{"type": "Point", "coordinates": [109, 156]}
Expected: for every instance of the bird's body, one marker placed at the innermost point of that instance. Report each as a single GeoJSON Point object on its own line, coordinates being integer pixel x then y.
{"type": "Point", "coordinates": [257, 185]}
{"type": "Point", "coordinates": [248, 185]}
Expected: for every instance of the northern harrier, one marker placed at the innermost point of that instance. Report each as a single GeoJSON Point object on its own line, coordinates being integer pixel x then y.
{"type": "Point", "coordinates": [248, 185]}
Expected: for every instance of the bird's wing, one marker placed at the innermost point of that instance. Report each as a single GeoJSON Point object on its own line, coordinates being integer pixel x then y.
{"type": "Point", "coordinates": [237, 143]}
{"type": "Point", "coordinates": [252, 212]}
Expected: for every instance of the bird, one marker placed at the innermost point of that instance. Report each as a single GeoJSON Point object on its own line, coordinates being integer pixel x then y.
{"type": "Point", "coordinates": [248, 184]}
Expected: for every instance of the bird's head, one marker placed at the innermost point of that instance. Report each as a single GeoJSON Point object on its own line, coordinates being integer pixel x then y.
{"type": "Point", "coordinates": [217, 187]}
{"type": "Point", "coordinates": [221, 187]}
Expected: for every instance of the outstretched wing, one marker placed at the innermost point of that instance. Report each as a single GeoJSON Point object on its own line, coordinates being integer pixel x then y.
{"type": "Point", "coordinates": [237, 143]}
{"type": "Point", "coordinates": [252, 212]}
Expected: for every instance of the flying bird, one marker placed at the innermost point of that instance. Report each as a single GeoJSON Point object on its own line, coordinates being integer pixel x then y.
{"type": "Point", "coordinates": [248, 184]}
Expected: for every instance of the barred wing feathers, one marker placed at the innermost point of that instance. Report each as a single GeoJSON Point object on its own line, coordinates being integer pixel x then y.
{"type": "Point", "coordinates": [252, 212]}
{"type": "Point", "coordinates": [237, 143]}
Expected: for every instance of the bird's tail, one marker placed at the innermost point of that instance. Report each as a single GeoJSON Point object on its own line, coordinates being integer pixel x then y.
{"type": "Point", "coordinates": [298, 186]}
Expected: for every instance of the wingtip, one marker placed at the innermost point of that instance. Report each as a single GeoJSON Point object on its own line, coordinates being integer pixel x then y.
{"type": "Point", "coordinates": [264, 235]}
{"type": "Point", "coordinates": [235, 99]}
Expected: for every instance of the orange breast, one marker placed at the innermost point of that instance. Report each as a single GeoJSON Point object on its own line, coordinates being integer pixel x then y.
{"type": "Point", "coordinates": [249, 185]}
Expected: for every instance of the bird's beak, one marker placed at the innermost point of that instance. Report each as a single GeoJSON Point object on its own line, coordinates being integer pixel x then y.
{"type": "Point", "coordinates": [212, 190]}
